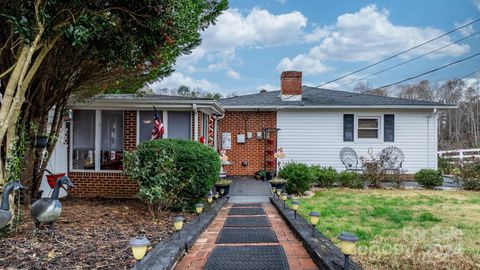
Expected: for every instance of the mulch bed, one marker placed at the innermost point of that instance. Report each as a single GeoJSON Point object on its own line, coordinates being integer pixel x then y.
{"type": "Point", "coordinates": [90, 234]}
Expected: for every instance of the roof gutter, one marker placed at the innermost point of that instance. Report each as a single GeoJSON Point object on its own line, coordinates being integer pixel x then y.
{"type": "Point", "coordinates": [226, 107]}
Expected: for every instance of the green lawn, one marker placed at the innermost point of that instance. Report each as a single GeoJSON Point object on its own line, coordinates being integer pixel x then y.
{"type": "Point", "coordinates": [404, 229]}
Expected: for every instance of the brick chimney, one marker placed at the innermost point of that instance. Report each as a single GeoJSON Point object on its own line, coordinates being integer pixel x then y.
{"type": "Point", "coordinates": [291, 85]}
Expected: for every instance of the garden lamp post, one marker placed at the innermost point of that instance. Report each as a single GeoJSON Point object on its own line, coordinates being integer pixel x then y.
{"type": "Point", "coordinates": [199, 209]}
{"type": "Point", "coordinates": [216, 195]}
{"type": "Point", "coordinates": [279, 191]}
{"type": "Point", "coordinates": [139, 246]}
{"type": "Point", "coordinates": [314, 219]}
{"type": "Point", "coordinates": [284, 199]}
{"type": "Point", "coordinates": [274, 189]}
{"type": "Point", "coordinates": [295, 206]}
{"type": "Point", "coordinates": [178, 224]}
{"type": "Point", "coordinates": [348, 246]}
{"type": "Point", "coordinates": [210, 198]}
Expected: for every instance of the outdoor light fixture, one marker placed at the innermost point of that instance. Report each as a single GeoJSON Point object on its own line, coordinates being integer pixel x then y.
{"type": "Point", "coordinates": [199, 208]}
{"type": "Point", "coordinates": [178, 223]}
{"type": "Point", "coordinates": [279, 191]}
{"type": "Point", "coordinates": [274, 189]}
{"type": "Point", "coordinates": [210, 199]}
{"type": "Point", "coordinates": [139, 246]}
{"type": "Point", "coordinates": [216, 195]}
{"type": "Point", "coordinates": [284, 199]}
{"type": "Point", "coordinates": [348, 246]}
{"type": "Point", "coordinates": [314, 219]}
{"type": "Point", "coordinates": [295, 206]}
{"type": "Point", "coordinates": [222, 191]}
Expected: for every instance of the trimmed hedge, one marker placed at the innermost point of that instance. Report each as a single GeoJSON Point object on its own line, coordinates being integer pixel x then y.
{"type": "Point", "coordinates": [350, 179]}
{"type": "Point", "coordinates": [299, 177]}
{"type": "Point", "coordinates": [429, 178]}
{"type": "Point", "coordinates": [172, 173]}
{"type": "Point", "coordinates": [324, 176]}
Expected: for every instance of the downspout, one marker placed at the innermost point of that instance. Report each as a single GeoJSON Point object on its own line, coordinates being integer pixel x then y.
{"type": "Point", "coordinates": [215, 130]}
{"type": "Point", "coordinates": [195, 122]}
{"type": "Point", "coordinates": [428, 137]}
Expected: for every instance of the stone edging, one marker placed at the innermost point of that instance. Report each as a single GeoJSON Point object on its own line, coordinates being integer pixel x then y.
{"type": "Point", "coordinates": [169, 251]}
{"type": "Point", "coordinates": [321, 249]}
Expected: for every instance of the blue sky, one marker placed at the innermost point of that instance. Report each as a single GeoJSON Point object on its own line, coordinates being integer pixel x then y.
{"type": "Point", "coordinates": [254, 41]}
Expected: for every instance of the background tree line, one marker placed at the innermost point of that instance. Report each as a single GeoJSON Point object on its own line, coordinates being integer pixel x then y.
{"type": "Point", "coordinates": [457, 128]}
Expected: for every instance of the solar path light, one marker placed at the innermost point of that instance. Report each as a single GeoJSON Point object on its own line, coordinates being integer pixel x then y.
{"type": "Point", "coordinates": [295, 206]}
{"type": "Point", "coordinates": [348, 246]}
{"type": "Point", "coordinates": [314, 219]}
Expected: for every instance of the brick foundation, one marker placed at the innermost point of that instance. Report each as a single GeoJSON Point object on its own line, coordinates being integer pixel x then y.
{"type": "Point", "coordinates": [253, 149]}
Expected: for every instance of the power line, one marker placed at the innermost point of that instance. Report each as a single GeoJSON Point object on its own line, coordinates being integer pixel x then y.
{"type": "Point", "coordinates": [400, 53]}
{"type": "Point", "coordinates": [408, 61]}
{"type": "Point", "coordinates": [428, 72]}
{"type": "Point", "coordinates": [470, 74]}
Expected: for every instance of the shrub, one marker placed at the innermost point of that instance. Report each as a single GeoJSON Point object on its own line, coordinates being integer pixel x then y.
{"type": "Point", "coordinates": [172, 174]}
{"type": "Point", "coordinates": [444, 166]}
{"type": "Point", "coordinates": [299, 177]}
{"type": "Point", "coordinates": [324, 176]}
{"type": "Point", "coordinates": [429, 178]}
{"type": "Point", "coordinates": [374, 170]}
{"type": "Point", "coordinates": [469, 175]}
{"type": "Point", "coordinates": [350, 179]}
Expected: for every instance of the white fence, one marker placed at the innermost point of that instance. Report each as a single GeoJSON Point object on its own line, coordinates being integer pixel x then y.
{"type": "Point", "coordinates": [462, 155]}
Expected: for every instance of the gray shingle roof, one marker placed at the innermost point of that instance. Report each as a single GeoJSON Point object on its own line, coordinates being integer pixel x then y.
{"type": "Point", "coordinates": [312, 97]}
{"type": "Point", "coordinates": [144, 97]}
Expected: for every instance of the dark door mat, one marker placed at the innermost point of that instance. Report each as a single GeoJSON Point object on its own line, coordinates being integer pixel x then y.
{"type": "Point", "coordinates": [247, 205]}
{"type": "Point", "coordinates": [247, 258]}
{"type": "Point", "coordinates": [246, 235]}
{"type": "Point", "coordinates": [260, 221]}
{"type": "Point", "coordinates": [245, 211]}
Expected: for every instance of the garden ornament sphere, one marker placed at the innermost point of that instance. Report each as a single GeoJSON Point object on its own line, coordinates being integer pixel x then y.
{"type": "Point", "coordinates": [139, 246]}
{"type": "Point", "coordinates": [348, 243]}
{"type": "Point", "coordinates": [199, 208]}
{"type": "Point", "coordinates": [314, 218]}
{"type": "Point", "coordinates": [178, 223]}
{"type": "Point", "coordinates": [295, 205]}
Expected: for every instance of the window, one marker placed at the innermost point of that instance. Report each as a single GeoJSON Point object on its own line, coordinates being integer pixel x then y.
{"type": "Point", "coordinates": [83, 147]}
{"type": "Point", "coordinates": [367, 128]}
{"type": "Point", "coordinates": [179, 125]}
{"type": "Point", "coordinates": [145, 125]}
{"type": "Point", "coordinates": [111, 147]}
{"type": "Point", "coordinates": [97, 148]}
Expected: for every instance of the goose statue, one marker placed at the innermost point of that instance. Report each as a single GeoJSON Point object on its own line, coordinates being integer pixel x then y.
{"type": "Point", "coordinates": [47, 210]}
{"type": "Point", "coordinates": [5, 215]}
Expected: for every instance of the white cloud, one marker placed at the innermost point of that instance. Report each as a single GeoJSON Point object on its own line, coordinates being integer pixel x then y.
{"type": "Point", "coordinates": [268, 87]}
{"type": "Point", "coordinates": [177, 79]}
{"type": "Point", "coordinates": [317, 34]}
{"type": "Point", "coordinates": [468, 30]}
{"type": "Point", "coordinates": [257, 29]}
{"type": "Point", "coordinates": [303, 63]}
{"type": "Point", "coordinates": [233, 74]}
{"type": "Point", "coordinates": [368, 35]}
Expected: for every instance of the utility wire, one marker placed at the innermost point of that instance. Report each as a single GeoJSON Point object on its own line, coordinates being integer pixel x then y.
{"type": "Point", "coordinates": [428, 72]}
{"type": "Point", "coordinates": [470, 74]}
{"type": "Point", "coordinates": [408, 61]}
{"type": "Point", "coordinates": [400, 53]}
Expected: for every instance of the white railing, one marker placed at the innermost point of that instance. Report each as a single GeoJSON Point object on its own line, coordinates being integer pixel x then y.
{"type": "Point", "coordinates": [462, 155]}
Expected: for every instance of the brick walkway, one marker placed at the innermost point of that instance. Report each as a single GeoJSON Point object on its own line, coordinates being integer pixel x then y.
{"type": "Point", "coordinates": [296, 254]}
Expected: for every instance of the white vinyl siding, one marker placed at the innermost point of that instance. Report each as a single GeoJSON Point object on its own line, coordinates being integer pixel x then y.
{"type": "Point", "coordinates": [316, 136]}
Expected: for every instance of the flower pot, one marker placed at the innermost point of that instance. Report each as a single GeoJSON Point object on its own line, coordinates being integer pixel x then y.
{"type": "Point", "coordinates": [278, 186]}
{"type": "Point", "coordinates": [52, 179]}
{"type": "Point", "coordinates": [41, 141]}
{"type": "Point", "coordinates": [226, 189]}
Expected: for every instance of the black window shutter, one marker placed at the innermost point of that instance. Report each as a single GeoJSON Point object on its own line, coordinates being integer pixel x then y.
{"type": "Point", "coordinates": [389, 128]}
{"type": "Point", "coordinates": [348, 127]}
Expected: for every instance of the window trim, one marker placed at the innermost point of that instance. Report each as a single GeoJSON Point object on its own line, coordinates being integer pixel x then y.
{"type": "Point", "coordinates": [98, 140]}
{"type": "Point", "coordinates": [379, 128]}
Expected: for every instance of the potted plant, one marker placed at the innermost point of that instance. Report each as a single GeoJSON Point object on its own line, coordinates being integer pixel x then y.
{"type": "Point", "coordinates": [269, 175]}
{"type": "Point", "coordinates": [41, 141]}
{"type": "Point", "coordinates": [223, 184]}
{"type": "Point", "coordinates": [260, 175]}
{"type": "Point", "coordinates": [278, 183]}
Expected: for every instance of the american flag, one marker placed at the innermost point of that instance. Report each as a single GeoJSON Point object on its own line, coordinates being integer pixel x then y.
{"type": "Point", "coordinates": [158, 129]}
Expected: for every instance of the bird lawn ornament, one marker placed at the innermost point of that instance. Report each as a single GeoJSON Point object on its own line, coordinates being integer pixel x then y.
{"type": "Point", "coordinates": [5, 215]}
{"type": "Point", "coordinates": [47, 210]}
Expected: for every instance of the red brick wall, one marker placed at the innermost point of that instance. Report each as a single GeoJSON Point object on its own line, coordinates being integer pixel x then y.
{"type": "Point", "coordinates": [104, 184]}
{"type": "Point", "coordinates": [253, 150]}
{"type": "Point", "coordinates": [291, 83]}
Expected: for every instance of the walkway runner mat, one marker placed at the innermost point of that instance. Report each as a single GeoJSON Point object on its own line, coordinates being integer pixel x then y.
{"type": "Point", "coordinates": [247, 258]}
{"type": "Point", "coordinates": [260, 221]}
{"type": "Point", "coordinates": [246, 235]}
{"type": "Point", "coordinates": [245, 211]}
{"type": "Point", "coordinates": [247, 205]}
